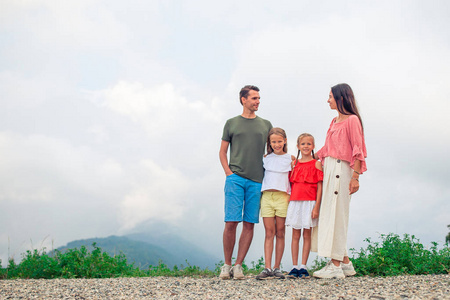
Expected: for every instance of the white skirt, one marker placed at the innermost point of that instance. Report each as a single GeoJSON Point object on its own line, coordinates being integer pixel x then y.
{"type": "Point", "coordinates": [299, 215]}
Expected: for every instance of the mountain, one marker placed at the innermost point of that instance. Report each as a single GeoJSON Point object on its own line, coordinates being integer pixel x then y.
{"type": "Point", "coordinates": [144, 249]}
{"type": "Point", "coordinates": [181, 249]}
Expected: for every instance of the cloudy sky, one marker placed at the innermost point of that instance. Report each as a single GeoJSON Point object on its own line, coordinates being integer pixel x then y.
{"type": "Point", "coordinates": [112, 113]}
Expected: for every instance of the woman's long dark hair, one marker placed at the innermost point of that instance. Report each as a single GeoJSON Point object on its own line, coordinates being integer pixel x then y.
{"type": "Point", "coordinates": [345, 100]}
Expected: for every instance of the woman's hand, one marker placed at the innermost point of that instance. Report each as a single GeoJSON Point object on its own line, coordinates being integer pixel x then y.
{"type": "Point", "coordinates": [354, 182]}
{"type": "Point", "coordinates": [353, 186]}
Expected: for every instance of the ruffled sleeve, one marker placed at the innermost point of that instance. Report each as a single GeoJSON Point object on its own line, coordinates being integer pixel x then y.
{"type": "Point", "coordinates": [357, 142]}
{"type": "Point", "coordinates": [306, 173]}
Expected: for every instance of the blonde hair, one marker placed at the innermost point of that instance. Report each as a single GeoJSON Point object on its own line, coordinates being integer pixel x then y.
{"type": "Point", "coordinates": [303, 135]}
{"type": "Point", "coordinates": [277, 131]}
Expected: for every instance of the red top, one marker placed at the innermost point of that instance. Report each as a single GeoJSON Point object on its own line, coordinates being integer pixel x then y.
{"type": "Point", "coordinates": [345, 140]}
{"type": "Point", "coordinates": [304, 178]}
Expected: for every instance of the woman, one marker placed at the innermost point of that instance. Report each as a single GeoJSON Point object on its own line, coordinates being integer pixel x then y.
{"type": "Point", "coordinates": [343, 157]}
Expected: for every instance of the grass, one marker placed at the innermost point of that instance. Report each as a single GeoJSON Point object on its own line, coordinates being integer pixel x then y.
{"type": "Point", "coordinates": [392, 255]}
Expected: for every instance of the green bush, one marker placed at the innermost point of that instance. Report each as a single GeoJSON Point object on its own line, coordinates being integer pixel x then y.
{"type": "Point", "coordinates": [257, 267]}
{"type": "Point", "coordinates": [34, 265]}
{"type": "Point", "coordinates": [80, 263]}
{"type": "Point", "coordinates": [396, 256]}
{"type": "Point", "coordinates": [391, 256]}
{"type": "Point", "coordinates": [163, 270]}
{"type": "Point", "coordinates": [75, 263]}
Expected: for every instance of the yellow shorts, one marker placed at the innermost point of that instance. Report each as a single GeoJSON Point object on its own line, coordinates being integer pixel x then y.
{"type": "Point", "coordinates": [274, 204]}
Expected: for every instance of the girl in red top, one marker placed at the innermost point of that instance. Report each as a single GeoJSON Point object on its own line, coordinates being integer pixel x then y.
{"type": "Point", "coordinates": [304, 203]}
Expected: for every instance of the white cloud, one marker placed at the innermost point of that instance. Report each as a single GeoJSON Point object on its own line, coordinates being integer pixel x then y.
{"type": "Point", "coordinates": [160, 109]}
{"type": "Point", "coordinates": [400, 203]}
{"type": "Point", "coordinates": [178, 128]}
{"type": "Point", "coordinates": [83, 24]}
{"type": "Point", "coordinates": [45, 169]}
{"type": "Point", "coordinates": [159, 194]}
{"type": "Point", "coordinates": [30, 92]}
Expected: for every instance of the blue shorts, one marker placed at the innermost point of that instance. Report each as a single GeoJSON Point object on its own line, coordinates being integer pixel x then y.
{"type": "Point", "coordinates": [242, 199]}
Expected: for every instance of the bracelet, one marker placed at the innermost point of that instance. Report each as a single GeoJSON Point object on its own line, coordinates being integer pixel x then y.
{"type": "Point", "coordinates": [355, 179]}
{"type": "Point", "coordinates": [356, 172]}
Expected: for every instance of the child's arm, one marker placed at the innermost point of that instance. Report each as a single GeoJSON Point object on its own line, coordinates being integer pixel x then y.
{"type": "Point", "coordinates": [293, 161]}
{"type": "Point", "coordinates": [316, 210]}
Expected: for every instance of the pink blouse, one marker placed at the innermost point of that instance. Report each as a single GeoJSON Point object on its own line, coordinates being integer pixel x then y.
{"type": "Point", "coordinates": [345, 140]}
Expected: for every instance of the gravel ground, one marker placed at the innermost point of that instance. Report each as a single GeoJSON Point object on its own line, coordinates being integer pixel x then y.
{"type": "Point", "coordinates": [409, 287]}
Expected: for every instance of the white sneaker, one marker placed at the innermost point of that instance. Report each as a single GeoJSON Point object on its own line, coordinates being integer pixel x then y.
{"type": "Point", "coordinates": [348, 269]}
{"type": "Point", "coordinates": [237, 272]}
{"type": "Point", "coordinates": [329, 271]}
{"type": "Point", "coordinates": [225, 272]}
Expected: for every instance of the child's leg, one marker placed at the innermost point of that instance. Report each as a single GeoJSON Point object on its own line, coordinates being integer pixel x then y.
{"type": "Point", "coordinates": [269, 226]}
{"type": "Point", "coordinates": [295, 244]}
{"type": "Point", "coordinates": [306, 245]}
{"type": "Point", "coordinates": [280, 231]}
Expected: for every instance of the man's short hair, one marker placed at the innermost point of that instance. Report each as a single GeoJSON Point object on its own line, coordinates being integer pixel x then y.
{"type": "Point", "coordinates": [245, 90]}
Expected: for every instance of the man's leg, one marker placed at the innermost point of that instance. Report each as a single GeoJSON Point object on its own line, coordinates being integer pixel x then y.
{"type": "Point", "coordinates": [244, 241]}
{"type": "Point", "coordinates": [234, 203]}
{"type": "Point", "coordinates": [252, 205]}
{"type": "Point", "coordinates": [229, 239]}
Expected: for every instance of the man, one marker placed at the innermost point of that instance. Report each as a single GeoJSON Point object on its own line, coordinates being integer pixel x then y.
{"type": "Point", "coordinates": [246, 135]}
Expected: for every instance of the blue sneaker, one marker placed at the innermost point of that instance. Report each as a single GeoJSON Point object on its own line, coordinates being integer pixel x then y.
{"type": "Point", "coordinates": [302, 273]}
{"type": "Point", "coordinates": [293, 273]}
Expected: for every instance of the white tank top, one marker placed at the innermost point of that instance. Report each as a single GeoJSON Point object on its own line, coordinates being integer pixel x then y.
{"type": "Point", "coordinates": [276, 172]}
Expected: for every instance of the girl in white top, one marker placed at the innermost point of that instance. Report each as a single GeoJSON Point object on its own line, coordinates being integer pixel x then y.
{"type": "Point", "coordinates": [275, 198]}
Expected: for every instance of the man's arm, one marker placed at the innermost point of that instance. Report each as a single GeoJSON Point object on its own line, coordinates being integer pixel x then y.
{"type": "Point", "coordinates": [223, 157]}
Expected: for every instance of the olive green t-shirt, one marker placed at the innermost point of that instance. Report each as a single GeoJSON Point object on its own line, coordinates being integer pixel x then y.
{"type": "Point", "coordinates": [247, 138]}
